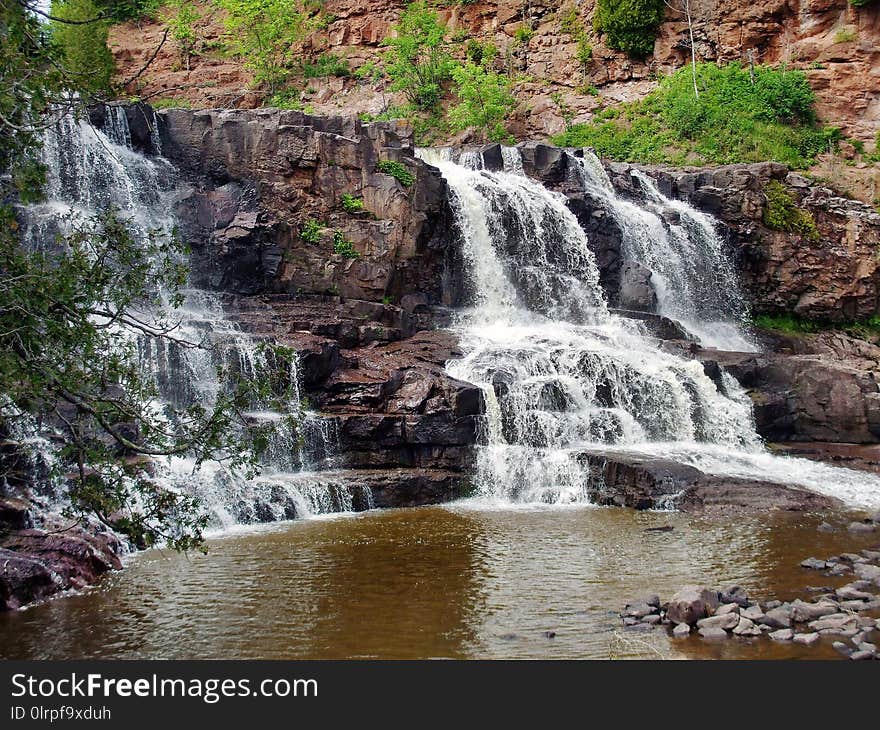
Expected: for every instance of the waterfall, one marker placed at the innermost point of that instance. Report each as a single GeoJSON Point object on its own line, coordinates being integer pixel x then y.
{"type": "Point", "coordinates": [91, 170]}
{"type": "Point", "coordinates": [694, 279]}
{"type": "Point", "coordinates": [561, 374]}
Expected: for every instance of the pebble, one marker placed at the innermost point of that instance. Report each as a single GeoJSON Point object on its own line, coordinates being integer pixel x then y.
{"type": "Point", "coordinates": [842, 648]}
{"type": "Point", "coordinates": [839, 569]}
{"type": "Point", "coordinates": [639, 610]}
{"type": "Point", "coordinates": [781, 635]}
{"type": "Point", "coordinates": [871, 554]}
{"type": "Point", "coordinates": [653, 619]}
{"type": "Point", "coordinates": [867, 646]}
{"type": "Point", "coordinates": [853, 558]}
{"type": "Point", "coordinates": [727, 608]}
{"type": "Point", "coordinates": [806, 639]}
{"type": "Point", "coordinates": [753, 613]}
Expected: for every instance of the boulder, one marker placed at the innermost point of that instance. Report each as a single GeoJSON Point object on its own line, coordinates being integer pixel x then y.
{"type": "Point", "coordinates": [807, 639]}
{"type": "Point", "coordinates": [725, 621]}
{"type": "Point", "coordinates": [713, 633]}
{"type": "Point", "coordinates": [781, 635]}
{"type": "Point", "coordinates": [776, 618]}
{"type": "Point", "coordinates": [746, 627]}
{"type": "Point", "coordinates": [691, 603]}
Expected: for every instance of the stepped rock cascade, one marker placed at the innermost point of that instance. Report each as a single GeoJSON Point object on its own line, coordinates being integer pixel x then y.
{"type": "Point", "coordinates": [695, 281]}
{"type": "Point", "coordinates": [92, 170]}
{"type": "Point", "coordinates": [563, 377]}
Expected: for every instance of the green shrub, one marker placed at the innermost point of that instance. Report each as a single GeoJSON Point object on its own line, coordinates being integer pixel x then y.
{"type": "Point", "coordinates": [311, 231]}
{"type": "Point", "coordinates": [343, 247]}
{"type": "Point", "coordinates": [83, 46]}
{"type": "Point", "coordinates": [398, 171]}
{"type": "Point", "coordinates": [265, 33]}
{"type": "Point", "coordinates": [733, 120]}
{"type": "Point", "coordinates": [181, 26]}
{"type": "Point", "coordinates": [792, 324]}
{"type": "Point", "coordinates": [629, 25]}
{"type": "Point", "coordinates": [523, 34]}
{"type": "Point", "coordinates": [122, 10]}
{"type": "Point", "coordinates": [781, 213]}
{"type": "Point", "coordinates": [169, 102]}
{"type": "Point", "coordinates": [861, 3]}
{"type": "Point", "coordinates": [418, 61]}
{"type": "Point", "coordinates": [326, 64]}
{"type": "Point", "coordinates": [351, 204]}
{"type": "Point", "coordinates": [484, 101]}
{"type": "Point", "coordinates": [845, 35]}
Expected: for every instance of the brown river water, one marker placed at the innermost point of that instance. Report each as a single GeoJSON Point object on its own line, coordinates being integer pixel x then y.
{"type": "Point", "coordinates": [451, 582]}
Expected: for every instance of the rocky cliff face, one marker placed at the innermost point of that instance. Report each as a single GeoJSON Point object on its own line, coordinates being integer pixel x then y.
{"type": "Point", "coordinates": [833, 42]}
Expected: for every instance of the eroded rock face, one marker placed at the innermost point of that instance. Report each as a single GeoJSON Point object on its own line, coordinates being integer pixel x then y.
{"type": "Point", "coordinates": [259, 176]}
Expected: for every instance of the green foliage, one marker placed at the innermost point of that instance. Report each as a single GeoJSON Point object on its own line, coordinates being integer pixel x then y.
{"type": "Point", "coordinates": [170, 102]}
{"type": "Point", "coordinates": [181, 26]}
{"type": "Point", "coordinates": [861, 3]}
{"type": "Point", "coordinates": [311, 231]}
{"type": "Point", "coordinates": [733, 120]}
{"type": "Point", "coordinates": [122, 10]}
{"type": "Point", "coordinates": [265, 33]}
{"type": "Point", "coordinates": [781, 213]}
{"type": "Point", "coordinates": [845, 35]}
{"type": "Point", "coordinates": [584, 50]}
{"type": "Point", "coordinates": [343, 247]}
{"type": "Point", "coordinates": [418, 61]}
{"type": "Point", "coordinates": [351, 204]}
{"type": "Point", "coordinates": [69, 359]}
{"type": "Point", "coordinates": [478, 53]}
{"type": "Point", "coordinates": [326, 64]}
{"type": "Point", "coordinates": [370, 71]}
{"type": "Point", "coordinates": [398, 171]}
{"type": "Point", "coordinates": [569, 21]}
{"type": "Point", "coordinates": [523, 34]}
{"type": "Point", "coordinates": [629, 25]}
{"type": "Point", "coordinates": [793, 325]}
{"type": "Point", "coordinates": [84, 53]}
{"type": "Point", "coordinates": [484, 101]}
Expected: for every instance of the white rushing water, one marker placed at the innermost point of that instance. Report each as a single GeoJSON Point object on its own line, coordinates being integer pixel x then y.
{"type": "Point", "coordinates": [561, 375]}
{"type": "Point", "coordinates": [91, 170]}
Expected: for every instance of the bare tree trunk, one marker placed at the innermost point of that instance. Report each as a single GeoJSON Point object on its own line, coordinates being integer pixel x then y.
{"type": "Point", "coordinates": [687, 9]}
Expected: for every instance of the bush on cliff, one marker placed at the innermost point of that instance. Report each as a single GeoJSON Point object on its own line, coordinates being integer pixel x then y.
{"type": "Point", "coordinates": [741, 115]}
{"type": "Point", "coordinates": [418, 61]}
{"type": "Point", "coordinates": [629, 25]}
{"type": "Point", "coordinates": [484, 101]}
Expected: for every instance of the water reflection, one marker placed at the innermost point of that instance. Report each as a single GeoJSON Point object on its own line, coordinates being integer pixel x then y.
{"type": "Point", "coordinates": [457, 582]}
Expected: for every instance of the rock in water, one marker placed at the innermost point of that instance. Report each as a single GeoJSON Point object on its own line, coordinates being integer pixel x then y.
{"type": "Point", "coordinates": [690, 604]}
{"type": "Point", "coordinates": [725, 621]}
{"type": "Point", "coordinates": [806, 639]}
{"type": "Point", "coordinates": [710, 633]}
{"type": "Point", "coordinates": [681, 630]}
{"type": "Point", "coordinates": [781, 635]}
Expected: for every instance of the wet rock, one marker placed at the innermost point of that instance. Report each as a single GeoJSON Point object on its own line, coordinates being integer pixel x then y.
{"type": "Point", "coordinates": [681, 630]}
{"type": "Point", "coordinates": [753, 613]}
{"type": "Point", "coordinates": [770, 605]}
{"type": "Point", "coordinates": [781, 635]}
{"type": "Point", "coordinates": [746, 627]}
{"type": "Point", "coordinates": [652, 620]}
{"type": "Point", "coordinates": [861, 655]}
{"type": "Point", "coordinates": [712, 633]}
{"type": "Point", "coordinates": [691, 603]}
{"type": "Point", "coordinates": [639, 610]}
{"type": "Point", "coordinates": [835, 623]}
{"type": "Point", "coordinates": [839, 569]}
{"type": "Point", "coordinates": [861, 527]}
{"type": "Point", "coordinates": [851, 594]}
{"type": "Point", "coordinates": [842, 648]}
{"type": "Point", "coordinates": [814, 564]}
{"type": "Point", "coordinates": [636, 290]}
{"type": "Point", "coordinates": [735, 594]}
{"type": "Point", "coordinates": [727, 608]}
{"type": "Point", "coordinates": [825, 527]}
{"type": "Point", "coordinates": [807, 639]}
{"type": "Point", "coordinates": [867, 646]}
{"type": "Point", "coordinates": [549, 634]}
{"type": "Point", "coordinates": [776, 618]}
{"type": "Point", "coordinates": [872, 554]}
{"type": "Point", "coordinates": [802, 612]}
{"type": "Point", "coordinates": [867, 572]}
{"type": "Point", "coordinates": [725, 621]}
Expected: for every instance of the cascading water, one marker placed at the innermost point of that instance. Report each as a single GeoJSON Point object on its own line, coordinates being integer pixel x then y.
{"type": "Point", "coordinates": [695, 281]}
{"type": "Point", "coordinates": [562, 375]}
{"type": "Point", "coordinates": [91, 170]}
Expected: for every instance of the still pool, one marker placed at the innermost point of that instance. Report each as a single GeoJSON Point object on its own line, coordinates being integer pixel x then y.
{"type": "Point", "coordinates": [462, 581]}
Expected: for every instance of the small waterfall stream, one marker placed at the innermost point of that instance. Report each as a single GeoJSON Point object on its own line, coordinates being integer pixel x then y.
{"type": "Point", "coordinates": [563, 376]}
{"type": "Point", "coordinates": [91, 170]}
